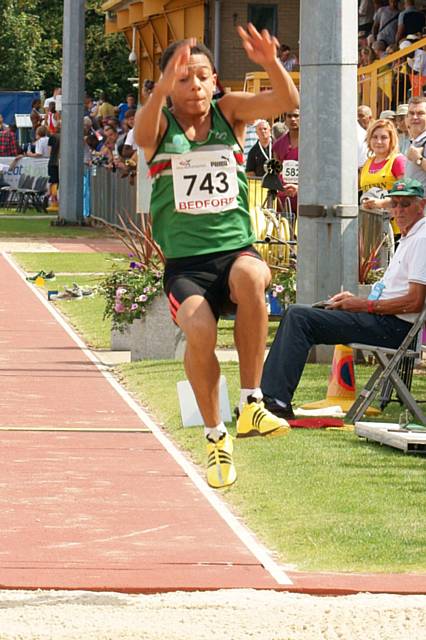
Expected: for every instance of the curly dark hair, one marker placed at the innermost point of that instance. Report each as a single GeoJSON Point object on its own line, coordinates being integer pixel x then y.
{"type": "Point", "coordinates": [198, 48]}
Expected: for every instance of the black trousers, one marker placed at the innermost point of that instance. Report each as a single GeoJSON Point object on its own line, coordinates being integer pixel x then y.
{"type": "Point", "coordinates": [302, 327]}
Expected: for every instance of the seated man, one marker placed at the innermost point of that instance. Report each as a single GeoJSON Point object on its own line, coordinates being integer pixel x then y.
{"type": "Point", "coordinates": [201, 221]}
{"type": "Point", "coordinates": [383, 319]}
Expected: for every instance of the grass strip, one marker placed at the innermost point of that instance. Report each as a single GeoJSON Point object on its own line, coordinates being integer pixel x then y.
{"type": "Point", "coordinates": [27, 229]}
{"type": "Point", "coordinates": [323, 500]}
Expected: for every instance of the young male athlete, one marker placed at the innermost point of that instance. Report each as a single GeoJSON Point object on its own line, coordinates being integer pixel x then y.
{"type": "Point", "coordinates": [199, 208]}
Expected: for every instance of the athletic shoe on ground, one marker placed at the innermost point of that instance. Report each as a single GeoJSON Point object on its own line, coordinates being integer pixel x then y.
{"type": "Point", "coordinates": [278, 410]}
{"type": "Point", "coordinates": [255, 420]}
{"type": "Point", "coordinates": [49, 276]}
{"type": "Point", "coordinates": [79, 292]}
{"type": "Point", "coordinates": [40, 274]}
{"type": "Point", "coordinates": [220, 465]}
{"type": "Point", "coordinates": [63, 295]}
{"type": "Point", "coordinates": [74, 291]}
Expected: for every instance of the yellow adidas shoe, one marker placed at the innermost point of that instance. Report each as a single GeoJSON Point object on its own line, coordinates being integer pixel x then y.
{"type": "Point", "coordinates": [220, 465]}
{"type": "Point", "coordinates": [255, 420]}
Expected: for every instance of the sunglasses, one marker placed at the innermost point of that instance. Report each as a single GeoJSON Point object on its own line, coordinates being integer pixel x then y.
{"type": "Point", "coordinates": [404, 204]}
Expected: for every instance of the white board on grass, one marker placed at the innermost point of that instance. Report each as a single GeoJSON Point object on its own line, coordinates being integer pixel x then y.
{"type": "Point", "coordinates": [190, 413]}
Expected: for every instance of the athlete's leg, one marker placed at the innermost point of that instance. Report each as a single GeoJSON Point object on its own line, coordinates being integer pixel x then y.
{"type": "Point", "coordinates": [198, 323]}
{"type": "Point", "coordinates": [248, 280]}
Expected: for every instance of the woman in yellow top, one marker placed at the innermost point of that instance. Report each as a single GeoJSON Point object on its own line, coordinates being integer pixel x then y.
{"type": "Point", "coordinates": [384, 166]}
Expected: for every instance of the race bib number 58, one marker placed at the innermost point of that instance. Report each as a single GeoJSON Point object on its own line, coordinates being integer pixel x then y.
{"type": "Point", "coordinates": [290, 171]}
{"type": "Point", "coordinates": [205, 181]}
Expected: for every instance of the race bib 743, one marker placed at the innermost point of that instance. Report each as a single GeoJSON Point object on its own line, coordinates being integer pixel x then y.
{"type": "Point", "coordinates": [205, 181]}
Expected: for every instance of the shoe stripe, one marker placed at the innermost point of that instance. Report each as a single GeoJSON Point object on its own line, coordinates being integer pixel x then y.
{"type": "Point", "coordinates": [223, 458]}
{"type": "Point", "coordinates": [256, 418]}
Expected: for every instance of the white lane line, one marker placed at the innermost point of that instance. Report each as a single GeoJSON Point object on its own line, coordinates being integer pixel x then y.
{"type": "Point", "coordinates": [240, 530]}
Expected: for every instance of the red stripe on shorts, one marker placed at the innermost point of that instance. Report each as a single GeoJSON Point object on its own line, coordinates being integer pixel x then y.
{"type": "Point", "coordinates": [173, 305]}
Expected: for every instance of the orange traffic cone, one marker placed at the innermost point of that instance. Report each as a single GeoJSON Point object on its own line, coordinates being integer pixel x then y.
{"type": "Point", "coordinates": [341, 383]}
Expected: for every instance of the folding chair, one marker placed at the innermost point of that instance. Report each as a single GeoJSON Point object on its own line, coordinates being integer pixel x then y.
{"type": "Point", "coordinates": [8, 192]}
{"type": "Point", "coordinates": [387, 370]}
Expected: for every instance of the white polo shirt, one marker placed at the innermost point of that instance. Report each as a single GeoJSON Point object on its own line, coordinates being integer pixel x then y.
{"type": "Point", "coordinates": [130, 140]}
{"type": "Point", "coordinates": [407, 265]}
{"type": "Point", "coordinates": [42, 147]}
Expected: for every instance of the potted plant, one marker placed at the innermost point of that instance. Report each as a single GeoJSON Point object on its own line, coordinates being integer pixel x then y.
{"type": "Point", "coordinates": [129, 292]}
{"type": "Point", "coordinates": [135, 299]}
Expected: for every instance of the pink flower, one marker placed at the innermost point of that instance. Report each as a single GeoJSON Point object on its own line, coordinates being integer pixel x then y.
{"type": "Point", "coordinates": [133, 307]}
{"type": "Point", "coordinates": [279, 288]}
{"type": "Point", "coordinates": [120, 291]}
{"type": "Point", "coordinates": [142, 298]}
{"type": "Point", "coordinates": [119, 307]}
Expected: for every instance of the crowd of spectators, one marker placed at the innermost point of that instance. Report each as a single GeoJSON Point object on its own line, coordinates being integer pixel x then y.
{"type": "Point", "coordinates": [107, 136]}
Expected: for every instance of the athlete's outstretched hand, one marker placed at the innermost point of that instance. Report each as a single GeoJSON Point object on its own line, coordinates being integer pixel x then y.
{"type": "Point", "coordinates": [261, 48]}
{"type": "Point", "coordinates": [177, 67]}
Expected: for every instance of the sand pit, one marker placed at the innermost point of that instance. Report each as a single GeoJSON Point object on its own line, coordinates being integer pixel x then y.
{"type": "Point", "coordinates": [230, 615]}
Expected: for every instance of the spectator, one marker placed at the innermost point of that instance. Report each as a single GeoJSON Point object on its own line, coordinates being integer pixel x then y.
{"type": "Point", "coordinates": [124, 106]}
{"type": "Point", "coordinates": [384, 319]}
{"type": "Point", "coordinates": [90, 107]}
{"type": "Point", "coordinates": [384, 166]}
{"type": "Point", "coordinates": [379, 48]}
{"type": "Point", "coordinates": [278, 129]}
{"type": "Point", "coordinates": [8, 144]}
{"type": "Point", "coordinates": [362, 40]}
{"type": "Point", "coordinates": [365, 116]}
{"type": "Point", "coordinates": [362, 146]}
{"type": "Point", "coordinates": [366, 56]}
{"type": "Point", "coordinates": [52, 118]}
{"type": "Point", "coordinates": [109, 149]}
{"type": "Point", "coordinates": [54, 144]}
{"type": "Point", "coordinates": [129, 145]}
{"type": "Point", "coordinates": [35, 116]}
{"type": "Point", "coordinates": [57, 96]}
{"type": "Point", "coordinates": [387, 114]}
{"type": "Point", "coordinates": [385, 23]}
{"type": "Point", "coordinates": [261, 151]}
{"type": "Point", "coordinates": [401, 127]}
{"type": "Point", "coordinates": [250, 139]}
{"type": "Point", "coordinates": [416, 124]}
{"type": "Point", "coordinates": [410, 21]}
{"type": "Point", "coordinates": [287, 58]}
{"type": "Point", "coordinates": [365, 16]}
{"type": "Point", "coordinates": [41, 144]}
{"type": "Point", "coordinates": [286, 149]}
{"type": "Point", "coordinates": [147, 89]}
{"type": "Point", "coordinates": [105, 108]}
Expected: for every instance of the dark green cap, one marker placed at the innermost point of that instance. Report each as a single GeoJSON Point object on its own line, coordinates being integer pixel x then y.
{"type": "Point", "coordinates": [407, 187]}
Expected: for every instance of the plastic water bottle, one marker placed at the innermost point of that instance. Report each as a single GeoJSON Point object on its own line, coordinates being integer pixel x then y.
{"type": "Point", "coordinates": [376, 291]}
{"type": "Point", "coordinates": [93, 170]}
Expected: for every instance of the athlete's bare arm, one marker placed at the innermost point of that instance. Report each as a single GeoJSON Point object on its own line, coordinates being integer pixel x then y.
{"type": "Point", "coordinates": [150, 123]}
{"type": "Point", "coordinates": [242, 107]}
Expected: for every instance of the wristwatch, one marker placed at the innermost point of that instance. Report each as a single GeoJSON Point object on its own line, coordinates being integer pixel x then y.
{"type": "Point", "coordinates": [419, 161]}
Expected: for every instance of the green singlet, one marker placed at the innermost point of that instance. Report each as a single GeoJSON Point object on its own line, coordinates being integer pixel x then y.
{"type": "Point", "coordinates": [199, 201]}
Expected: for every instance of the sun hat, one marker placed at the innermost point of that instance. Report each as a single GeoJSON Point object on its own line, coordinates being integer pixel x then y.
{"type": "Point", "coordinates": [401, 110]}
{"type": "Point", "coordinates": [388, 113]}
{"type": "Point", "coordinates": [407, 187]}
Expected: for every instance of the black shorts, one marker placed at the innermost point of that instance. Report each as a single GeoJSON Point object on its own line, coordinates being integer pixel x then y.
{"type": "Point", "coordinates": [53, 173]}
{"type": "Point", "coordinates": [206, 276]}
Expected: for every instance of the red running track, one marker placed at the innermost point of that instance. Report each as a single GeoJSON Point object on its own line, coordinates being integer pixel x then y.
{"type": "Point", "coordinates": [91, 499]}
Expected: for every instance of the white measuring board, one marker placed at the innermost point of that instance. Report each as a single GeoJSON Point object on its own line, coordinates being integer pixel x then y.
{"type": "Point", "coordinates": [392, 435]}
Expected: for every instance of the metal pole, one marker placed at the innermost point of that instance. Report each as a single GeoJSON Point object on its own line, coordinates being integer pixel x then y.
{"type": "Point", "coordinates": [216, 49]}
{"type": "Point", "coordinates": [71, 163]}
{"type": "Point", "coordinates": [328, 211]}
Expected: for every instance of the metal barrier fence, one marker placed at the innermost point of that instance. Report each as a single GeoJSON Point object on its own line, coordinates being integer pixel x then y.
{"type": "Point", "coordinates": [111, 196]}
{"type": "Point", "coordinates": [383, 84]}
